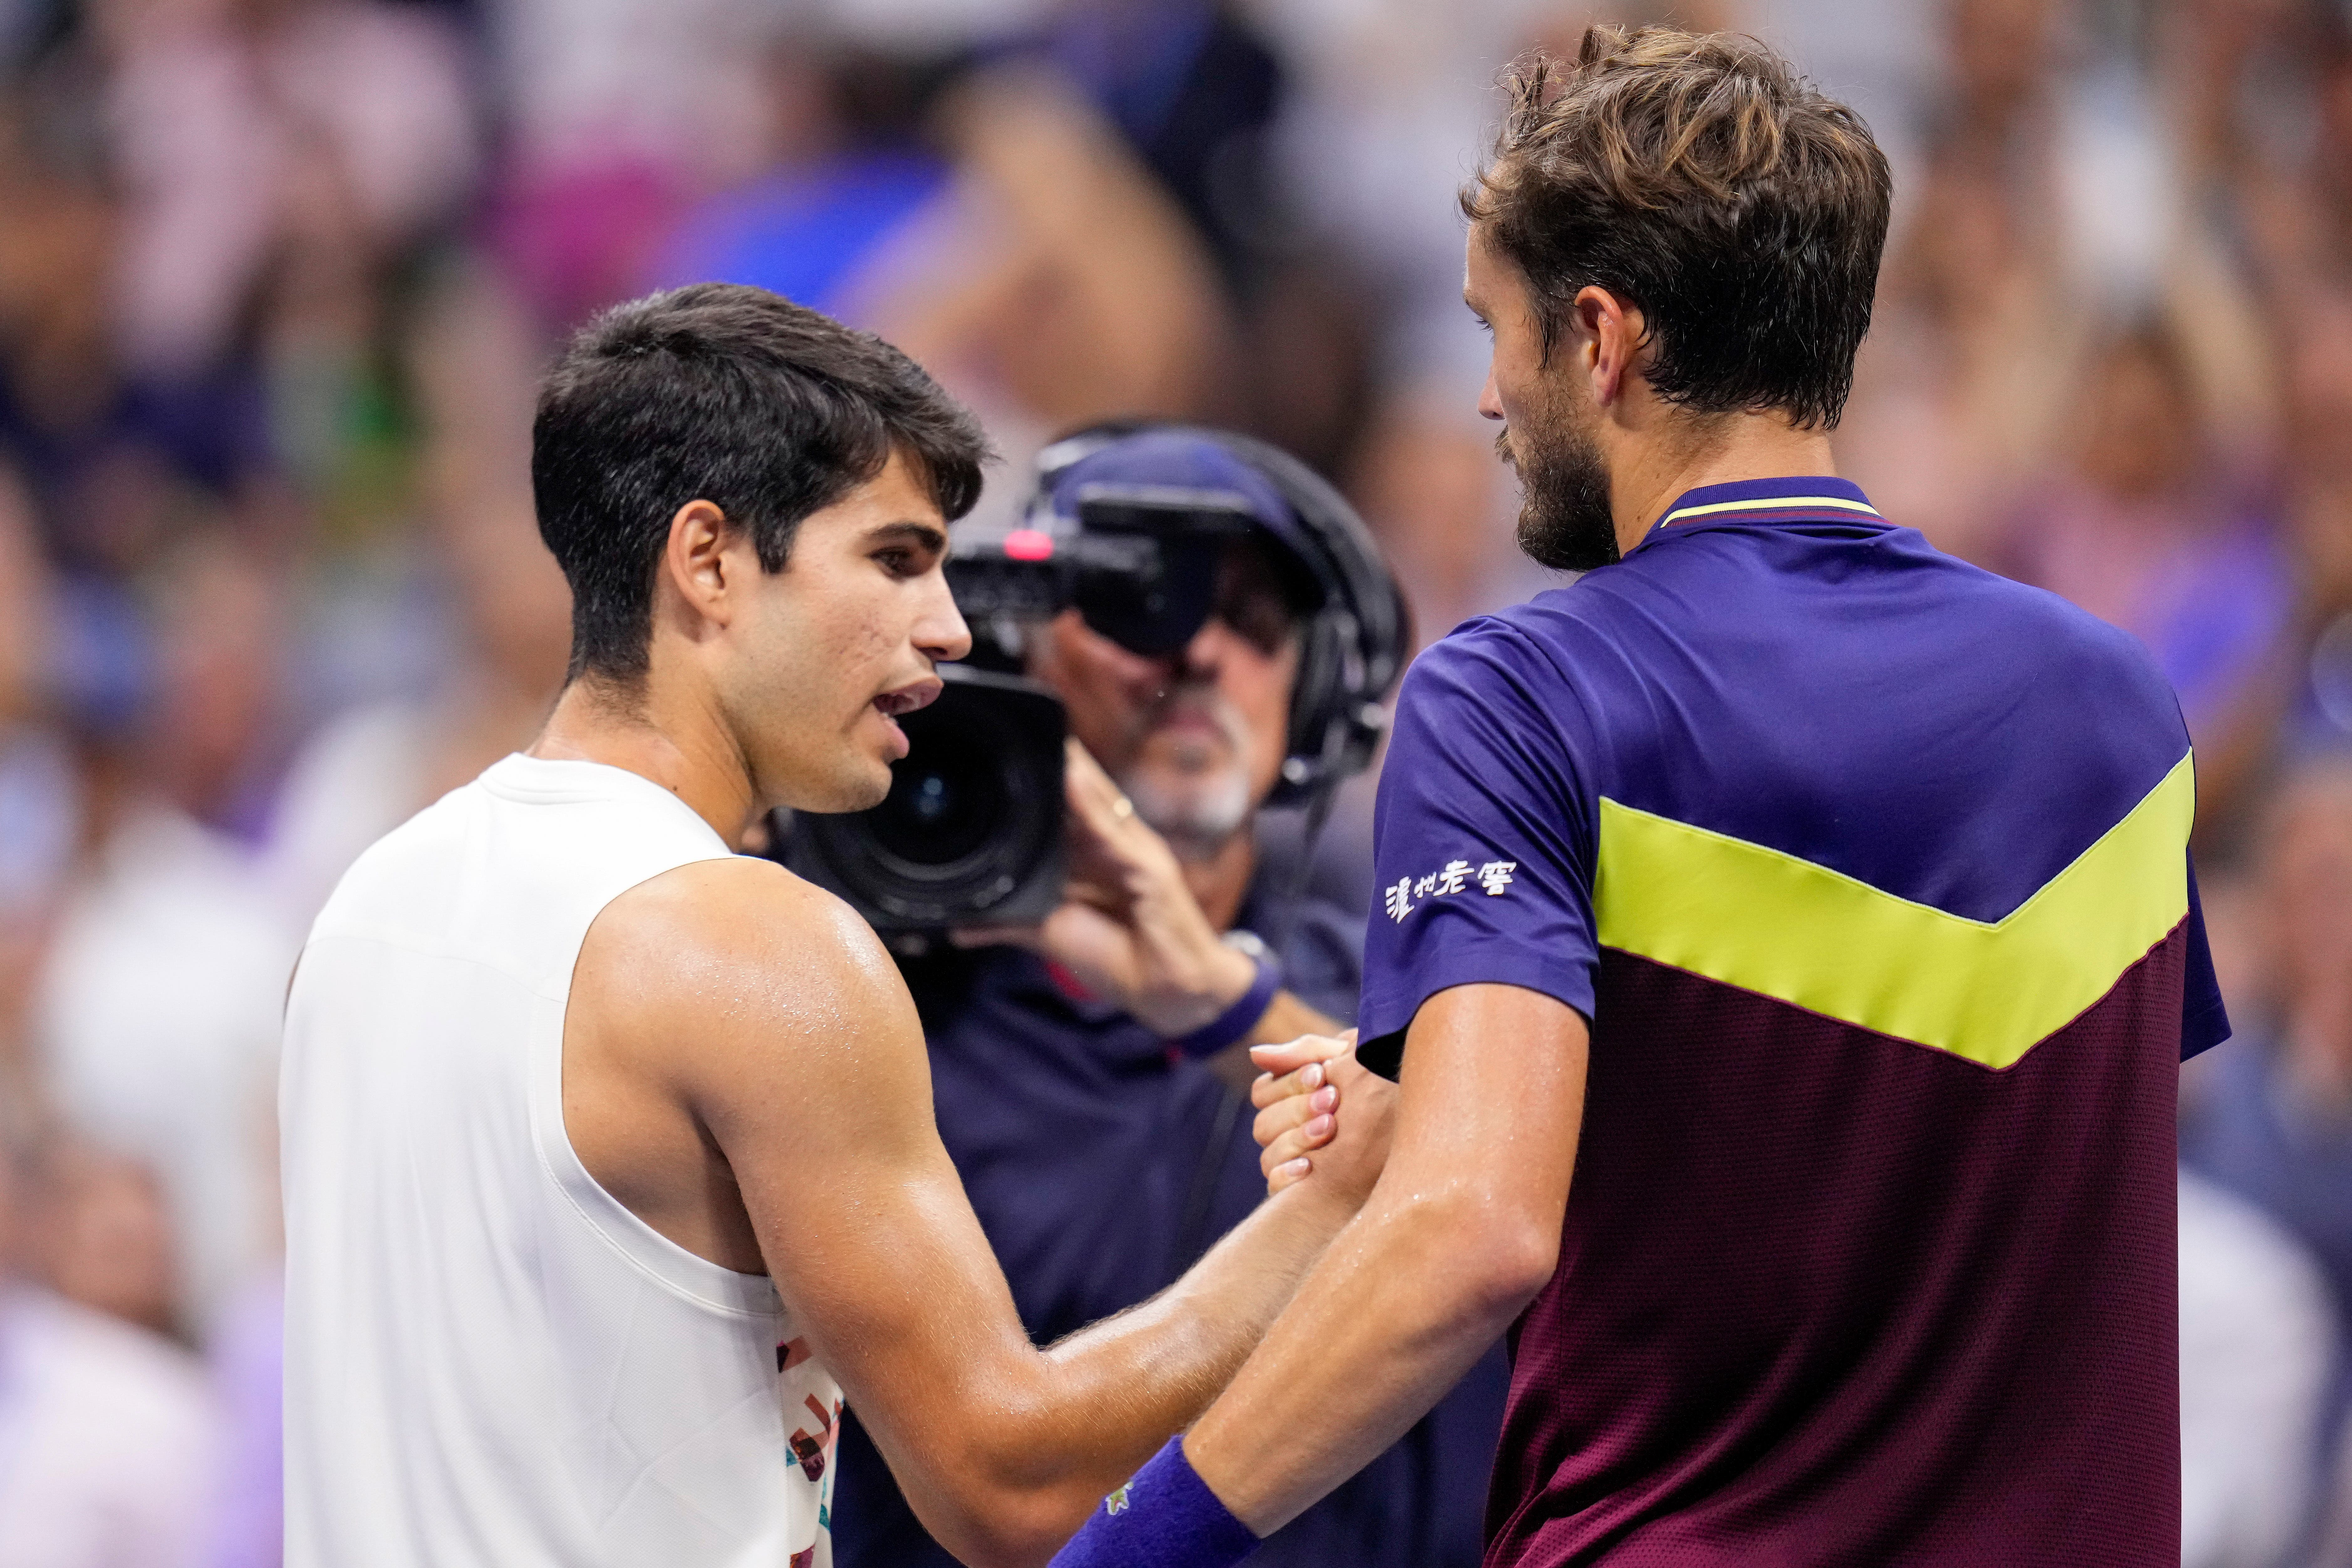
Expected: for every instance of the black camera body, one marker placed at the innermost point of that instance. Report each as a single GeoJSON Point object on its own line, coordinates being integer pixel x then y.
{"type": "Point", "coordinates": [970, 833]}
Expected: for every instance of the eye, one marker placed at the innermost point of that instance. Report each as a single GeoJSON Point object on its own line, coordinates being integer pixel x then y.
{"type": "Point", "coordinates": [899, 562]}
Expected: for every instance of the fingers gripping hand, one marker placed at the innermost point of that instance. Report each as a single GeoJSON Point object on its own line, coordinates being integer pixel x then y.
{"type": "Point", "coordinates": [1296, 1103]}
{"type": "Point", "coordinates": [1352, 1162]}
{"type": "Point", "coordinates": [1278, 1061]}
{"type": "Point", "coordinates": [1291, 1126]}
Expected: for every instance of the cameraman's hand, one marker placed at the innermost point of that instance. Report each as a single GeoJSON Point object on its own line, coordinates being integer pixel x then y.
{"type": "Point", "coordinates": [1320, 1114]}
{"type": "Point", "coordinates": [1129, 928]}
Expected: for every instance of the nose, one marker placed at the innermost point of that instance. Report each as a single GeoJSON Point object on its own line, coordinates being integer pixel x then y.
{"type": "Point", "coordinates": [1149, 677]}
{"type": "Point", "coordinates": [939, 630]}
{"type": "Point", "coordinates": [1490, 401]}
{"type": "Point", "coordinates": [1201, 657]}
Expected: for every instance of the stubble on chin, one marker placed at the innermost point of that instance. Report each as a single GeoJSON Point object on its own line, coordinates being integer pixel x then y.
{"type": "Point", "coordinates": [1194, 791]}
{"type": "Point", "coordinates": [1199, 816]}
{"type": "Point", "coordinates": [1565, 520]}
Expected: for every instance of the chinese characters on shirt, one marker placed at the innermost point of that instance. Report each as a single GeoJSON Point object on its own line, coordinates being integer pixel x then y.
{"type": "Point", "coordinates": [1409, 893]}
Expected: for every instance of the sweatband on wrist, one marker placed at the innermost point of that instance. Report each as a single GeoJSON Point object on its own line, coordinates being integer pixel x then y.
{"type": "Point", "coordinates": [1165, 1517]}
{"type": "Point", "coordinates": [1236, 1022]}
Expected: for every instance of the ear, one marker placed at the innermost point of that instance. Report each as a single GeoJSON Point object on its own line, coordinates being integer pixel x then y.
{"type": "Point", "coordinates": [1607, 331]}
{"type": "Point", "coordinates": [694, 560]}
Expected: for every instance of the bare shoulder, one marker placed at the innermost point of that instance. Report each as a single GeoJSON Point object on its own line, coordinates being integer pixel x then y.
{"type": "Point", "coordinates": [731, 963]}
{"type": "Point", "coordinates": [744, 910]}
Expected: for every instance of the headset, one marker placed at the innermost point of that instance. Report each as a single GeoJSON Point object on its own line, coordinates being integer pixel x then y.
{"type": "Point", "coordinates": [1354, 645]}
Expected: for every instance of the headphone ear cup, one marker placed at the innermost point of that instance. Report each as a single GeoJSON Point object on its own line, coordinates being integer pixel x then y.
{"type": "Point", "coordinates": [1315, 704]}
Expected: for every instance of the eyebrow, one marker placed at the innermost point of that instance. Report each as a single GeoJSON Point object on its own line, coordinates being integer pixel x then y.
{"type": "Point", "coordinates": [929, 535]}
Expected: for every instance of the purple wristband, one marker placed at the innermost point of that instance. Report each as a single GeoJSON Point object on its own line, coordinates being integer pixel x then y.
{"type": "Point", "coordinates": [1165, 1517]}
{"type": "Point", "coordinates": [1236, 1021]}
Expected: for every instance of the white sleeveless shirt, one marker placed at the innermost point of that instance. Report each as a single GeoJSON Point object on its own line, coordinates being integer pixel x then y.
{"type": "Point", "coordinates": [488, 1359]}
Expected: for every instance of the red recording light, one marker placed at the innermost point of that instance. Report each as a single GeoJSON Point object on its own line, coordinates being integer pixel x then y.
{"type": "Point", "coordinates": [1029, 544]}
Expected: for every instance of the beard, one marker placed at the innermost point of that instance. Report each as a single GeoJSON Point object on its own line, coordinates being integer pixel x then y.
{"type": "Point", "coordinates": [1193, 791]}
{"type": "Point", "coordinates": [1564, 518]}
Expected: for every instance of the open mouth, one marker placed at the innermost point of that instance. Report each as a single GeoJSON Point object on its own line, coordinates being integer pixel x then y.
{"type": "Point", "coordinates": [908, 698]}
{"type": "Point", "coordinates": [901, 701]}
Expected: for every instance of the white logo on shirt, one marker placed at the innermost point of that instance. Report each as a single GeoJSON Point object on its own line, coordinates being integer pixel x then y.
{"type": "Point", "coordinates": [1409, 893]}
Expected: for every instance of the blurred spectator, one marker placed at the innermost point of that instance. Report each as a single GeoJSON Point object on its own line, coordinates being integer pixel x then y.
{"type": "Point", "coordinates": [248, 1354]}
{"type": "Point", "coordinates": [2302, 702]}
{"type": "Point", "coordinates": [2319, 405]}
{"type": "Point", "coordinates": [850, 164]}
{"type": "Point", "coordinates": [620, 114]}
{"type": "Point", "coordinates": [37, 787]}
{"type": "Point", "coordinates": [1202, 93]}
{"type": "Point", "coordinates": [369, 769]}
{"type": "Point", "coordinates": [157, 1011]}
{"type": "Point", "coordinates": [1391, 108]}
{"type": "Point", "coordinates": [1065, 286]}
{"type": "Point", "coordinates": [244, 131]}
{"type": "Point", "coordinates": [2145, 528]}
{"type": "Point", "coordinates": [219, 195]}
{"type": "Point", "coordinates": [2271, 1117]}
{"type": "Point", "coordinates": [104, 455]}
{"type": "Point", "coordinates": [2293, 182]}
{"type": "Point", "coordinates": [1002, 235]}
{"type": "Point", "coordinates": [1194, 89]}
{"type": "Point", "coordinates": [2258, 1342]}
{"type": "Point", "coordinates": [103, 1238]}
{"type": "Point", "coordinates": [106, 1433]}
{"type": "Point", "coordinates": [1948, 416]}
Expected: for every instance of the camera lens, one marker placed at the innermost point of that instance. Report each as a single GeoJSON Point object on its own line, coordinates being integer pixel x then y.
{"type": "Point", "coordinates": [971, 831]}
{"type": "Point", "coordinates": [947, 799]}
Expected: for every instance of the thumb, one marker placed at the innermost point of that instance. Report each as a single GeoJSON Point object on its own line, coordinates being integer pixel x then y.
{"type": "Point", "coordinates": [1292, 1054]}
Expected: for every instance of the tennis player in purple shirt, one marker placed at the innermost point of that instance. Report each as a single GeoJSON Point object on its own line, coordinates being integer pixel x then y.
{"type": "Point", "coordinates": [1820, 903]}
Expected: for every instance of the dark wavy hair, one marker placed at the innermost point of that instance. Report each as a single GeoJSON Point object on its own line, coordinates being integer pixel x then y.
{"type": "Point", "coordinates": [716, 392]}
{"type": "Point", "coordinates": [1701, 178]}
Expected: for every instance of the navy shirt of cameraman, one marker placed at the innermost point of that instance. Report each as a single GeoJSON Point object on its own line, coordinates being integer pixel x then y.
{"type": "Point", "coordinates": [1101, 1160]}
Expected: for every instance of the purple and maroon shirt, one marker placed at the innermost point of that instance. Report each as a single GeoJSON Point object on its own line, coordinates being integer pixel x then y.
{"type": "Point", "coordinates": [1870, 871]}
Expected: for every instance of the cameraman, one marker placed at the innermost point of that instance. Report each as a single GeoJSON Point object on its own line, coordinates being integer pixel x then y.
{"type": "Point", "coordinates": [1088, 1072]}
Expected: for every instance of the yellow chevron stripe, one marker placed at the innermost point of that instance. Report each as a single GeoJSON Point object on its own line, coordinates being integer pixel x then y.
{"type": "Point", "coordinates": [1772, 923]}
{"type": "Point", "coordinates": [1773, 504]}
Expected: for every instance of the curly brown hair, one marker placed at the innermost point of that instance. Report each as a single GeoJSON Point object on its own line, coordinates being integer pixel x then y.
{"type": "Point", "coordinates": [1700, 177]}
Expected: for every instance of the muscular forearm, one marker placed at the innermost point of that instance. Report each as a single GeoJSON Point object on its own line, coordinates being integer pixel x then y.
{"type": "Point", "coordinates": [1074, 1423]}
{"type": "Point", "coordinates": [1400, 1306]}
{"type": "Point", "coordinates": [1462, 1231]}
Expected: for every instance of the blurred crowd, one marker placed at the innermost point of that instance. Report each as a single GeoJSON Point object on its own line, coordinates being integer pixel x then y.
{"type": "Point", "coordinates": [276, 276]}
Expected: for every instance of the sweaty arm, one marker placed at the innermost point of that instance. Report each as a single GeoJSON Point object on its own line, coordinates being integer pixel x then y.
{"type": "Point", "coordinates": [1460, 1234]}
{"type": "Point", "coordinates": [799, 1056]}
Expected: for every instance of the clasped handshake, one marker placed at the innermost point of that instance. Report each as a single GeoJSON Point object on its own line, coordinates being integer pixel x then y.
{"type": "Point", "coordinates": [1306, 1089]}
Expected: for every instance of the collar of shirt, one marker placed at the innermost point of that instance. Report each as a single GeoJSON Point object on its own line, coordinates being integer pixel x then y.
{"type": "Point", "coordinates": [1818, 497]}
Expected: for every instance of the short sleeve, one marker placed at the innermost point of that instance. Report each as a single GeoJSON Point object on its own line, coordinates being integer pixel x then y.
{"type": "Point", "coordinates": [1483, 836]}
{"type": "Point", "coordinates": [2204, 1022]}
